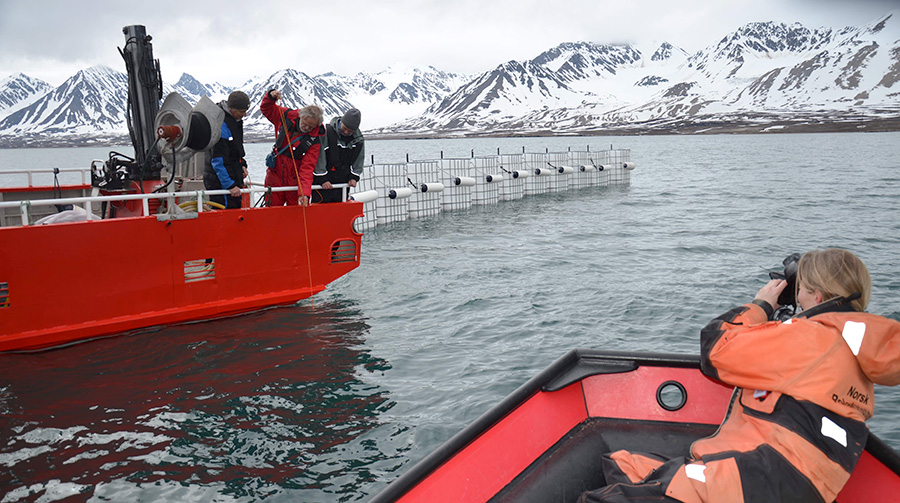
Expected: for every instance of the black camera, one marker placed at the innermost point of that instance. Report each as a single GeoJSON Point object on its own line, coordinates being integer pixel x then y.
{"type": "Point", "coordinates": [791, 263]}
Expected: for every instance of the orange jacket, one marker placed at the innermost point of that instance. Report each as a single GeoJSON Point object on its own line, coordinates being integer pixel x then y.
{"type": "Point", "coordinates": [804, 392]}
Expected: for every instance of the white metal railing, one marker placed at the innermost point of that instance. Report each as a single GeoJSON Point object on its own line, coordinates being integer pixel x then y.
{"type": "Point", "coordinates": [30, 174]}
{"type": "Point", "coordinates": [202, 195]}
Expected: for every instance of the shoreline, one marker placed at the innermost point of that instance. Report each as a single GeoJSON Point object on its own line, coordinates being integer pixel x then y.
{"type": "Point", "coordinates": [685, 129]}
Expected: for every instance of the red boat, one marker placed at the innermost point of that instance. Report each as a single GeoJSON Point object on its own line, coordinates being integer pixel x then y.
{"type": "Point", "coordinates": [136, 258]}
{"type": "Point", "coordinates": [68, 282]}
{"type": "Point", "coordinates": [543, 442]}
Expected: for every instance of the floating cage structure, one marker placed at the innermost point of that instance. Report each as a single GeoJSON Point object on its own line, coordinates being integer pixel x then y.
{"type": "Point", "coordinates": [422, 189]}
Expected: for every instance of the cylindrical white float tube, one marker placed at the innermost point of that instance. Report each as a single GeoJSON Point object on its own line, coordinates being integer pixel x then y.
{"type": "Point", "coordinates": [629, 165]}
{"type": "Point", "coordinates": [464, 181]}
{"type": "Point", "coordinates": [586, 167]}
{"type": "Point", "coordinates": [603, 167]}
{"type": "Point", "coordinates": [520, 174]}
{"type": "Point", "coordinates": [565, 170]}
{"type": "Point", "coordinates": [366, 196]}
{"type": "Point", "coordinates": [400, 193]}
{"type": "Point", "coordinates": [493, 178]}
{"type": "Point", "coordinates": [544, 171]}
{"type": "Point", "coordinates": [431, 187]}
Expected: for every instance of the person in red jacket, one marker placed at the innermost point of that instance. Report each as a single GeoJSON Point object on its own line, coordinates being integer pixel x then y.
{"type": "Point", "coordinates": [804, 389]}
{"type": "Point", "coordinates": [303, 130]}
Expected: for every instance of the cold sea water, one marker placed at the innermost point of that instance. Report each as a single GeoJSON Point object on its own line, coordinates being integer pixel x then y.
{"type": "Point", "coordinates": [331, 399]}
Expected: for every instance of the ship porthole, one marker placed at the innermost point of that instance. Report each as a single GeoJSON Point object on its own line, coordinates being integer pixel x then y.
{"type": "Point", "coordinates": [671, 395]}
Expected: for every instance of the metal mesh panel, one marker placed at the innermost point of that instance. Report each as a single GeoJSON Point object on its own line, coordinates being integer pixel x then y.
{"type": "Point", "coordinates": [488, 176]}
{"type": "Point", "coordinates": [366, 183]}
{"type": "Point", "coordinates": [456, 195]}
{"type": "Point", "coordinates": [560, 182]}
{"type": "Point", "coordinates": [427, 188]}
{"type": "Point", "coordinates": [586, 172]}
{"type": "Point", "coordinates": [615, 160]}
{"type": "Point", "coordinates": [537, 183]}
{"type": "Point", "coordinates": [514, 176]}
{"type": "Point", "coordinates": [393, 203]}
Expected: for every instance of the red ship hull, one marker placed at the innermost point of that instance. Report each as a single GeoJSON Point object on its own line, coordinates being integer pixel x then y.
{"type": "Point", "coordinates": [74, 281]}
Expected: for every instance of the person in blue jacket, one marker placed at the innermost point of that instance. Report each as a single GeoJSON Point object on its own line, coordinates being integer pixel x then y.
{"type": "Point", "coordinates": [227, 167]}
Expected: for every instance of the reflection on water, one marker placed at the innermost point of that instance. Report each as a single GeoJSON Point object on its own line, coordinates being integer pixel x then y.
{"type": "Point", "coordinates": [246, 405]}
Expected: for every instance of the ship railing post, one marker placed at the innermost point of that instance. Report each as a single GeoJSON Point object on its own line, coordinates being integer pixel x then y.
{"type": "Point", "coordinates": [145, 203]}
{"type": "Point", "coordinates": [200, 201]}
{"type": "Point", "coordinates": [87, 209]}
{"type": "Point", "coordinates": [23, 209]}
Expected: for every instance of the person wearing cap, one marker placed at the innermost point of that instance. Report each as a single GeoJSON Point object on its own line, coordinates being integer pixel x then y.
{"type": "Point", "coordinates": [344, 156]}
{"type": "Point", "coordinates": [227, 167]}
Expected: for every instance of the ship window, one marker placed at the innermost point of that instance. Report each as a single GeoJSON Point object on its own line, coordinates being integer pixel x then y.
{"type": "Point", "coordinates": [671, 395]}
{"type": "Point", "coordinates": [199, 270]}
{"type": "Point", "coordinates": [343, 251]}
{"type": "Point", "coordinates": [4, 295]}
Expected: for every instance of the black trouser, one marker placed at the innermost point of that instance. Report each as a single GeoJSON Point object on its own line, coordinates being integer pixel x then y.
{"type": "Point", "coordinates": [228, 201]}
{"type": "Point", "coordinates": [327, 196]}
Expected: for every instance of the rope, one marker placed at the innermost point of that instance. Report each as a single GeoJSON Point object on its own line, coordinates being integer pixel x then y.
{"type": "Point", "coordinates": [302, 206]}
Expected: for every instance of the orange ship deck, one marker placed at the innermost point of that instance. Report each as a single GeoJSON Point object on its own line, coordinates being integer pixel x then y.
{"type": "Point", "coordinates": [68, 282]}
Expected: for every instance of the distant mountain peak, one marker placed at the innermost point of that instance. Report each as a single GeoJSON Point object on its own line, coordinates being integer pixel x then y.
{"type": "Point", "coordinates": [19, 91]}
{"type": "Point", "coordinates": [880, 24]}
{"type": "Point", "coordinates": [762, 71]}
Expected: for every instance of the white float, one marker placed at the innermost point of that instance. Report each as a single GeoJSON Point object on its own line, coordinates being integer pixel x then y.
{"type": "Point", "coordinates": [366, 196]}
{"type": "Point", "coordinates": [431, 187]}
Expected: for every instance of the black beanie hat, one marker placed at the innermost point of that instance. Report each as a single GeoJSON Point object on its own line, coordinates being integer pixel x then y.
{"type": "Point", "coordinates": [351, 119]}
{"type": "Point", "coordinates": [238, 100]}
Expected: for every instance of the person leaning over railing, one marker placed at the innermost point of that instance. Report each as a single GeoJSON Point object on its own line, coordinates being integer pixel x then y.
{"type": "Point", "coordinates": [297, 148]}
{"type": "Point", "coordinates": [345, 152]}
{"type": "Point", "coordinates": [227, 167]}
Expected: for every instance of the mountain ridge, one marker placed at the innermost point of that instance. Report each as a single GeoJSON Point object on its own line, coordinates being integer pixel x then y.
{"type": "Point", "coordinates": [759, 77]}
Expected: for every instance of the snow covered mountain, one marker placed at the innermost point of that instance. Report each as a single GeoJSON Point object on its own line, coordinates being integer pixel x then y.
{"type": "Point", "coordinates": [18, 91]}
{"type": "Point", "coordinates": [192, 89]}
{"type": "Point", "coordinates": [90, 104]}
{"type": "Point", "coordinates": [763, 75]}
{"type": "Point", "coordinates": [396, 93]}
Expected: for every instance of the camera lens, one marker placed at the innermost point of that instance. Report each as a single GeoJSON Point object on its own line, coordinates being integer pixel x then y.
{"type": "Point", "coordinates": [791, 263]}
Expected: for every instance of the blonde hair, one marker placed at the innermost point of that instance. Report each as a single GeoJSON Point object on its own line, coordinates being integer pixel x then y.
{"type": "Point", "coordinates": [836, 273]}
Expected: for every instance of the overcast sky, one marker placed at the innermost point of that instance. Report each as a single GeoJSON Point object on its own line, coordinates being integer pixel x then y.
{"type": "Point", "coordinates": [230, 41]}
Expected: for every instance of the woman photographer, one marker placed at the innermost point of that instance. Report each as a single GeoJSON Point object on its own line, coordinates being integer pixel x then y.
{"type": "Point", "coordinates": [796, 425]}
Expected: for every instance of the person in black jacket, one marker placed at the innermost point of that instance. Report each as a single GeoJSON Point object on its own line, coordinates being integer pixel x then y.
{"type": "Point", "coordinates": [344, 155]}
{"type": "Point", "coordinates": [227, 167]}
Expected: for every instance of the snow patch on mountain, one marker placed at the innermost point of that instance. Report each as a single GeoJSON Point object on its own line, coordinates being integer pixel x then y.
{"type": "Point", "coordinates": [19, 91]}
